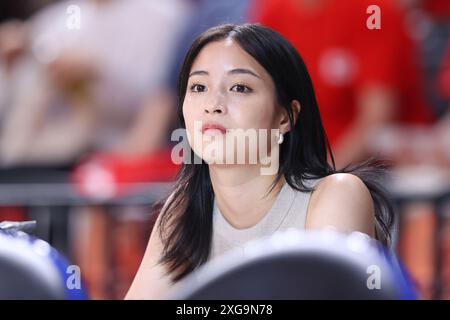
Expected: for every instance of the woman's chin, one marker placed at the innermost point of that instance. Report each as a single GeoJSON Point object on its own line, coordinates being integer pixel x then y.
{"type": "Point", "coordinates": [215, 161]}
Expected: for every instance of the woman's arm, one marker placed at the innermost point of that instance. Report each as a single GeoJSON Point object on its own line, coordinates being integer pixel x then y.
{"type": "Point", "coordinates": [342, 201]}
{"type": "Point", "coordinates": [151, 280]}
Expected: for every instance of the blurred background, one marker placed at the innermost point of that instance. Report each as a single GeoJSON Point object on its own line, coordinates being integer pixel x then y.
{"type": "Point", "coordinates": [88, 100]}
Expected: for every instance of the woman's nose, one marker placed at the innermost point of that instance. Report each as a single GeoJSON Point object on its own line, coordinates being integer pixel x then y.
{"type": "Point", "coordinates": [215, 108]}
{"type": "Point", "coordinates": [216, 102]}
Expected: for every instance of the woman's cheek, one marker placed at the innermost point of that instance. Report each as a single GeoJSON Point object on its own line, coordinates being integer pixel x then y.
{"type": "Point", "coordinates": [190, 108]}
{"type": "Point", "coordinates": [188, 118]}
{"type": "Point", "coordinates": [247, 116]}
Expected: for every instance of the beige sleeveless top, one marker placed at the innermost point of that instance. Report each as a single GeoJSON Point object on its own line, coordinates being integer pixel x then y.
{"type": "Point", "coordinates": [288, 211]}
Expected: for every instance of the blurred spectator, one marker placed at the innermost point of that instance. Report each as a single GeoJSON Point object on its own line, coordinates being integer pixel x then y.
{"type": "Point", "coordinates": [422, 156]}
{"type": "Point", "coordinates": [436, 54]}
{"type": "Point", "coordinates": [13, 73]}
{"type": "Point", "coordinates": [94, 84]}
{"type": "Point", "coordinates": [428, 23]}
{"type": "Point", "coordinates": [13, 47]}
{"type": "Point", "coordinates": [364, 78]}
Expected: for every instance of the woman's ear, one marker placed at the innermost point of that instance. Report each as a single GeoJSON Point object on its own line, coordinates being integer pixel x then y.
{"type": "Point", "coordinates": [284, 122]}
{"type": "Point", "coordinates": [296, 106]}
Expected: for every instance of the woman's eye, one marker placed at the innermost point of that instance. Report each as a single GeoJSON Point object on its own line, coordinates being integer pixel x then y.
{"type": "Point", "coordinates": [241, 88]}
{"type": "Point", "coordinates": [198, 88]}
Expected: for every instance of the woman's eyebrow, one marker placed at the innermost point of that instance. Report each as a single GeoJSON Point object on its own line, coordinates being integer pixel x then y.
{"type": "Point", "coordinates": [198, 72]}
{"type": "Point", "coordinates": [245, 71]}
{"type": "Point", "coordinates": [233, 71]}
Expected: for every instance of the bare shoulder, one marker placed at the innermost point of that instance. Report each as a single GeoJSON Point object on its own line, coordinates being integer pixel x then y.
{"type": "Point", "coordinates": [342, 183]}
{"type": "Point", "coordinates": [343, 201]}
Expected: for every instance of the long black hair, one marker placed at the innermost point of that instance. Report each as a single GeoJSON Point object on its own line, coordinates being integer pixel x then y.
{"type": "Point", "coordinates": [186, 222]}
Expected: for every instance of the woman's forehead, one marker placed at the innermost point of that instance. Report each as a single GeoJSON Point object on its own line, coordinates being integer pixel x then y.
{"type": "Point", "coordinates": [223, 56]}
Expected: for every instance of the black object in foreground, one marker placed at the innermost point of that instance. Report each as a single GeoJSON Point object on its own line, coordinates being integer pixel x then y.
{"type": "Point", "coordinates": [301, 265]}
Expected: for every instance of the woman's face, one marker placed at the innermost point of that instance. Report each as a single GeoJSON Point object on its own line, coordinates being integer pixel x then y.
{"type": "Point", "coordinates": [228, 89]}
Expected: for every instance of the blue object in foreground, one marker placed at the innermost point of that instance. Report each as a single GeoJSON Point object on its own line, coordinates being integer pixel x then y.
{"type": "Point", "coordinates": [32, 269]}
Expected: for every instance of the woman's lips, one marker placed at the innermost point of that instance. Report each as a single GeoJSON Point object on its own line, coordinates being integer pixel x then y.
{"type": "Point", "coordinates": [213, 129]}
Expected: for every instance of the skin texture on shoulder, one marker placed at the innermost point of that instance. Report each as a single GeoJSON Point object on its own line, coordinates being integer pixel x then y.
{"type": "Point", "coordinates": [342, 201]}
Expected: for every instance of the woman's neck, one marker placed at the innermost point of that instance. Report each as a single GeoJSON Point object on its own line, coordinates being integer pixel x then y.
{"type": "Point", "coordinates": [240, 191]}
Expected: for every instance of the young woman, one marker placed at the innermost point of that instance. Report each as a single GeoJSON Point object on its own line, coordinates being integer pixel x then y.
{"type": "Point", "coordinates": [249, 77]}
